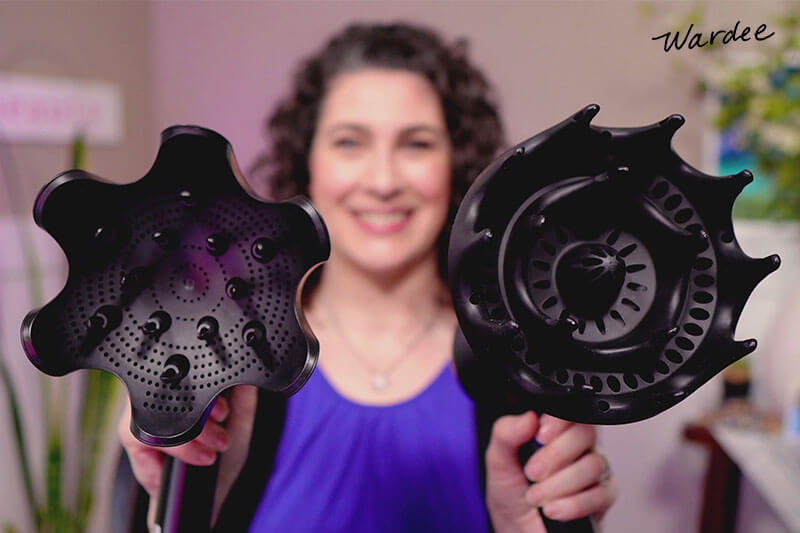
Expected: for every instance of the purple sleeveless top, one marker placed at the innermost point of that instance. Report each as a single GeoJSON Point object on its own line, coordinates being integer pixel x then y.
{"type": "Point", "coordinates": [342, 466]}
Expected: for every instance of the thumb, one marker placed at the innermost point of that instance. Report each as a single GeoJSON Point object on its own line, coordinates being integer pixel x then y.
{"type": "Point", "coordinates": [508, 434]}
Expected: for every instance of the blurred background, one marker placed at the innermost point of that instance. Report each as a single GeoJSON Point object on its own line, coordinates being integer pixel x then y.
{"type": "Point", "coordinates": [92, 84]}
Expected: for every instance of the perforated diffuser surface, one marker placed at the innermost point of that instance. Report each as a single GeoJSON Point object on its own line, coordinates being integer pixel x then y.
{"type": "Point", "coordinates": [596, 275]}
{"type": "Point", "coordinates": [182, 284]}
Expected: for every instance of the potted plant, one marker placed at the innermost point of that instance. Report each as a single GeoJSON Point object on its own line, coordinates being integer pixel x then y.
{"type": "Point", "coordinates": [51, 508]}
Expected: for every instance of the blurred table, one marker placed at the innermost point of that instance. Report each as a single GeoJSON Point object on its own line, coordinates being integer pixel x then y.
{"type": "Point", "coordinates": [770, 463]}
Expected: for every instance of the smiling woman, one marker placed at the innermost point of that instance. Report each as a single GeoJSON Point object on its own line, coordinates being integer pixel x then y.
{"type": "Point", "coordinates": [385, 129]}
{"type": "Point", "coordinates": [465, 99]}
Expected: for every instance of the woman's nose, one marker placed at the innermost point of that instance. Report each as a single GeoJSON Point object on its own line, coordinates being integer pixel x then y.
{"type": "Point", "coordinates": [384, 179]}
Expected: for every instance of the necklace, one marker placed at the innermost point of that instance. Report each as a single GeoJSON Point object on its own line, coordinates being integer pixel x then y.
{"type": "Point", "coordinates": [380, 377]}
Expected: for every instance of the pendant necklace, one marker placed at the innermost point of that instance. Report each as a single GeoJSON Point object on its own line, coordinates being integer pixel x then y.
{"type": "Point", "coordinates": [379, 378]}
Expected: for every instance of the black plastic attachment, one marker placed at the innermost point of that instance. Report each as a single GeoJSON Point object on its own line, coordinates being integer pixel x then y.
{"type": "Point", "coordinates": [596, 275]}
{"type": "Point", "coordinates": [165, 272]}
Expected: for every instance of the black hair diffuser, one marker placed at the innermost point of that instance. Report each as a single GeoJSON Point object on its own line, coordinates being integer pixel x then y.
{"type": "Point", "coordinates": [596, 275]}
{"type": "Point", "coordinates": [182, 284]}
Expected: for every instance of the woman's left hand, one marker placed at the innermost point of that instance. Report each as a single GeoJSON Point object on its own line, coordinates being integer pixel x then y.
{"type": "Point", "coordinates": [571, 479]}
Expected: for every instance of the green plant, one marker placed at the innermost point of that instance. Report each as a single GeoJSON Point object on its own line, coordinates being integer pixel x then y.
{"type": "Point", "coordinates": [762, 100]}
{"type": "Point", "coordinates": [52, 512]}
{"type": "Point", "coordinates": [757, 85]}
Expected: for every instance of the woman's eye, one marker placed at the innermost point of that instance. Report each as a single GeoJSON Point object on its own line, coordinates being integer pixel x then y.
{"type": "Point", "coordinates": [419, 145]}
{"type": "Point", "coordinates": [345, 142]}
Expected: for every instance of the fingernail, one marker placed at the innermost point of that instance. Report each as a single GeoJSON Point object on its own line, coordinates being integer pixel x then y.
{"type": "Point", "coordinates": [554, 510]}
{"type": "Point", "coordinates": [208, 457]}
{"type": "Point", "coordinates": [219, 412]}
{"type": "Point", "coordinates": [533, 470]}
{"type": "Point", "coordinates": [545, 430]}
{"type": "Point", "coordinates": [534, 496]}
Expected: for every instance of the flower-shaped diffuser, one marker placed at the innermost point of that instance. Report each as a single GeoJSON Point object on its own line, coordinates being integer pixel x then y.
{"type": "Point", "coordinates": [182, 284]}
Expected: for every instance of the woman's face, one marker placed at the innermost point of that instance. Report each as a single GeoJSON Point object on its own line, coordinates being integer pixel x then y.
{"type": "Point", "coordinates": [380, 168]}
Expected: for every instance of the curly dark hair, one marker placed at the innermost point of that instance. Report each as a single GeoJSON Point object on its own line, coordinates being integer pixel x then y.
{"type": "Point", "coordinates": [471, 114]}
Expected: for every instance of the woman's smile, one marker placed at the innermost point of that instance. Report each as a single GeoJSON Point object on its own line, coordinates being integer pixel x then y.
{"type": "Point", "coordinates": [382, 221]}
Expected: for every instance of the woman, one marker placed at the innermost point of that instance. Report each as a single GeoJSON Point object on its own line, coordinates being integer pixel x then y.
{"type": "Point", "coordinates": [384, 131]}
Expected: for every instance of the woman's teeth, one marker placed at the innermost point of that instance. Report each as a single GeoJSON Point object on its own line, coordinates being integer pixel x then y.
{"type": "Point", "coordinates": [382, 218]}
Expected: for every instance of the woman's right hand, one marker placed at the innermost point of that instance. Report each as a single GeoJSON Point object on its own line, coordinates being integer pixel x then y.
{"type": "Point", "coordinates": [228, 429]}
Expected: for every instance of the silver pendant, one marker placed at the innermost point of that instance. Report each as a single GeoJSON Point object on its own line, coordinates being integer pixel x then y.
{"type": "Point", "coordinates": [379, 381]}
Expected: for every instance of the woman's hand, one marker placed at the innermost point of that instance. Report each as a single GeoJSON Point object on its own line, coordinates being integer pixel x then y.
{"type": "Point", "coordinates": [571, 479]}
{"type": "Point", "coordinates": [228, 429]}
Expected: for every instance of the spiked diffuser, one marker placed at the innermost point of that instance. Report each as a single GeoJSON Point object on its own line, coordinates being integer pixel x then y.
{"type": "Point", "coordinates": [596, 275]}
